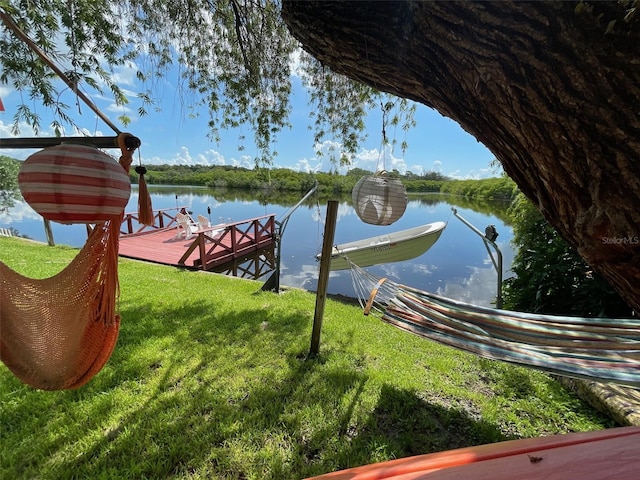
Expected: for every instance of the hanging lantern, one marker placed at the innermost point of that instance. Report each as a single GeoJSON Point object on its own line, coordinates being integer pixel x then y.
{"type": "Point", "coordinates": [74, 184]}
{"type": "Point", "coordinates": [379, 199]}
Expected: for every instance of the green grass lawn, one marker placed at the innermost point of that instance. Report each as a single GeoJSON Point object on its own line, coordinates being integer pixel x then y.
{"type": "Point", "coordinates": [210, 379]}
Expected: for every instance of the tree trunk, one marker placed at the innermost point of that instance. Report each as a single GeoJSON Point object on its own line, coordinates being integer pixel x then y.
{"type": "Point", "coordinates": [543, 85]}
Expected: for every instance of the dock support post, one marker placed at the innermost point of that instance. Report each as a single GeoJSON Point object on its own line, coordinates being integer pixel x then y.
{"type": "Point", "coordinates": [323, 276]}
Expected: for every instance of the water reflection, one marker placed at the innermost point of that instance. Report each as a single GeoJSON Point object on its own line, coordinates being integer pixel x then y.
{"type": "Point", "coordinates": [480, 287]}
{"type": "Point", "coordinates": [457, 266]}
{"type": "Point", "coordinates": [256, 266]}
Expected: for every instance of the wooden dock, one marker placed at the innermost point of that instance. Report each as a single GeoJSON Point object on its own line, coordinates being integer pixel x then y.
{"type": "Point", "coordinates": [206, 249]}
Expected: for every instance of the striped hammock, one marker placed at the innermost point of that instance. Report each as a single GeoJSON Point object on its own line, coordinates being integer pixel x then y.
{"type": "Point", "coordinates": [602, 349]}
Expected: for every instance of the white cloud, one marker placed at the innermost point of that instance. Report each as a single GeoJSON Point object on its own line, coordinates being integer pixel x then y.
{"type": "Point", "coordinates": [210, 157]}
{"type": "Point", "coordinates": [126, 75]}
{"type": "Point", "coordinates": [295, 63]}
{"type": "Point", "coordinates": [322, 163]}
{"type": "Point", "coordinates": [373, 160]}
{"type": "Point", "coordinates": [183, 157]}
{"type": "Point", "coordinates": [122, 110]}
{"type": "Point", "coordinates": [25, 130]}
{"type": "Point", "coordinates": [366, 159]}
{"type": "Point", "coordinates": [245, 161]}
{"type": "Point", "coordinates": [19, 212]}
{"type": "Point", "coordinates": [5, 132]}
{"type": "Point", "coordinates": [307, 165]}
{"type": "Point", "coordinates": [417, 169]}
{"type": "Point", "coordinates": [474, 174]}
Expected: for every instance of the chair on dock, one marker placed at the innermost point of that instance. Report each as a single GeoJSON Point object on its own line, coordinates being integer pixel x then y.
{"type": "Point", "coordinates": [186, 226]}
{"type": "Point", "coordinates": [204, 224]}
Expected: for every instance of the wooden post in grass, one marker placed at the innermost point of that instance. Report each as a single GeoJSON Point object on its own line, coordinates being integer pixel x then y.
{"type": "Point", "coordinates": [48, 232]}
{"type": "Point", "coordinates": [323, 276]}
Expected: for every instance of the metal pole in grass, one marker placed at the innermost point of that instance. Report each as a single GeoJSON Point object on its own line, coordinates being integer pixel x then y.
{"type": "Point", "coordinates": [488, 238]}
{"type": "Point", "coordinates": [323, 276]}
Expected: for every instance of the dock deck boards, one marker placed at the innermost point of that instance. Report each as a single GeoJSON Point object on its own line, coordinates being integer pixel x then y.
{"type": "Point", "coordinates": [160, 246]}
{"type": "Point", "coordinates": [210, 247]}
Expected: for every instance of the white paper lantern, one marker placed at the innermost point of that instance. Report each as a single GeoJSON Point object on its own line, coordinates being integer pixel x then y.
{"type": "Point", "coordinates": [379, 199]}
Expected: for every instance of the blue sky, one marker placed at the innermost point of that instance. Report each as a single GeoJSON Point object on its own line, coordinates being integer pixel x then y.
{"type": "Point", "coordinates": [172, 137]}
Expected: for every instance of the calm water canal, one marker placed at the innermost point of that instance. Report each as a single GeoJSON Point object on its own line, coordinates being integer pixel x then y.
{"type": "Point", "coordinates": [457, 266]}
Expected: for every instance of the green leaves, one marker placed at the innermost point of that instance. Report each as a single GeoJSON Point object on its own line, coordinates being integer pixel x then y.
{"type": "Point", "coordinates": [9, 192]}
{"type": "Point", "coordinates": [340, 108]}
{"type": "Point", "coordinates": [550, 275]}
{"type": "Point", "coordinates": [235, 58]}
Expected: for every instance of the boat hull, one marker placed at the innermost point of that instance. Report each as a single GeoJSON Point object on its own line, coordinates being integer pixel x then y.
{"type": "Point", "coordinates": [388, 248]}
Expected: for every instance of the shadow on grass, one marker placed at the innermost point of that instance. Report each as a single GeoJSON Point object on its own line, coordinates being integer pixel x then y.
{"type": "Point", "coordinates": [402, 425]}
{"type": "Point", "coordinates": [215, 432]}
{"type": "Point", "coordinates": [192, 392]}
{"type": "Point", "coordinates": [411, 426]}
{"type": "Point", "coordinates": [196, 329]}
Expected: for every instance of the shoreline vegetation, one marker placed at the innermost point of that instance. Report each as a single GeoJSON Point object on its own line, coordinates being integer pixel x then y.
{"type": "Point", "coordinates": [561, 283]}
{"type": "Point", "coordinates": [211, 379]}
{"type": "Point", "coordinates": [286, 180]}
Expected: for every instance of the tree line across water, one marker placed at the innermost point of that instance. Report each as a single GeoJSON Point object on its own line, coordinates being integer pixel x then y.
{"type": "Point", "coordinates": [286, 180]}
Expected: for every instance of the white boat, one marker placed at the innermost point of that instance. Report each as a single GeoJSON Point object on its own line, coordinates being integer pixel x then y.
{"type": "Point", "coordinates": [390, 247]}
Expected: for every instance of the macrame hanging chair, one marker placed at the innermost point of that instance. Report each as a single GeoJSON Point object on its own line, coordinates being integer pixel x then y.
{"type": "Point", "coordinates": [57, 333]}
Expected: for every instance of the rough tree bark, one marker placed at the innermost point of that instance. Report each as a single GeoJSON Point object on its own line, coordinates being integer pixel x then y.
{"type": "Point", "coordinates": [543, 85]}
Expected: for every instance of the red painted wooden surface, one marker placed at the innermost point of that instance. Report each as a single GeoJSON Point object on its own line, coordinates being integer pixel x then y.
{"type": "Point", "coordinates": [159, 246]}
{"type": "Point", "coordinates": [605, 454]}
{"type": "Point", "coordinates": [163, 218]}
{"type": "Point", "coordinates": [215, 248]}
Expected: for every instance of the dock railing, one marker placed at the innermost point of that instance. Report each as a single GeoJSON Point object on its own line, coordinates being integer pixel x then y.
{"type": "Point", "coordinates": [163, 218]}
{"type": "Point", "coordinates": [226, 242]}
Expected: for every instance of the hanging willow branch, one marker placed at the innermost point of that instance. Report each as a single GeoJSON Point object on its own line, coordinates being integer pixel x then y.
{"type": "Point", "coordinates": [72, 84]}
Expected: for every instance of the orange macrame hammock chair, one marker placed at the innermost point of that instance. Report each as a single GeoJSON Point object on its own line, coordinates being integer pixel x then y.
{"type": "Point", "coordinates": [57, 333]}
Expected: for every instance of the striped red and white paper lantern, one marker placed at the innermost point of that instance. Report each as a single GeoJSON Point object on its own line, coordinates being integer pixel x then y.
{"type": "Point", "coordinates": [379, 199]}
{"type": "Point", "coordinates": [72, 183]}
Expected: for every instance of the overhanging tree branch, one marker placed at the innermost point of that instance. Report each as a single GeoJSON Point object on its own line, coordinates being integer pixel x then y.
{"type": "Point", "coordinates": [71, 83]}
